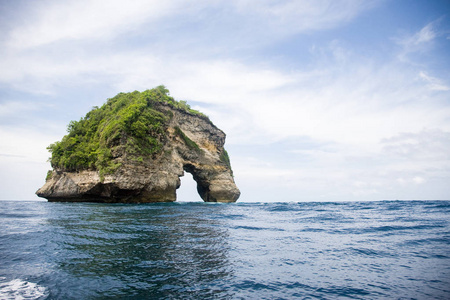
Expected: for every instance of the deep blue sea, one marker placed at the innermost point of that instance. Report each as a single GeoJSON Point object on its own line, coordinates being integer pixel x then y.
{"type": "Point", "coordinates": [350, 250]}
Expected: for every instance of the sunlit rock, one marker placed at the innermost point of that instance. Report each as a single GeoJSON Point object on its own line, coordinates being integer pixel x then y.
{"type": "Point", "coordinates": [186, 142]}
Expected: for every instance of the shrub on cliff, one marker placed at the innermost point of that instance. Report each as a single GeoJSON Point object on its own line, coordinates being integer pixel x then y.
{"type": "Point", "coordinates": [126, 124]}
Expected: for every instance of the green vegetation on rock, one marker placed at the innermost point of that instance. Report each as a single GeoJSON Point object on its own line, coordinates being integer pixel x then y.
{"type": "Point", "coordinates": [224, 157]}
{"type": "Point", "coordinates": [127, 125]}
{"type": "Point", "coordinates": [190, 143]}
{"type": "Point", "coordinates": [49, 175]}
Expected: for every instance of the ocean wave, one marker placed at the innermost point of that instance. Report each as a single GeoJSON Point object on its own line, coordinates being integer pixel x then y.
{"type": "Point", "coordinates": [352, 250]}
{"type": "Point", "coordinates": [18, 289]}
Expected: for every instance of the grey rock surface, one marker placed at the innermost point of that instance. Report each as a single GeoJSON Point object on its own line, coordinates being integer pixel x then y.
{"type": "Point", "coordinates": [156, 179]}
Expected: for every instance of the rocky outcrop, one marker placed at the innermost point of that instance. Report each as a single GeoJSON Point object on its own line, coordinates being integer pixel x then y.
{"type": "Point", "coordinates": [192, 144]}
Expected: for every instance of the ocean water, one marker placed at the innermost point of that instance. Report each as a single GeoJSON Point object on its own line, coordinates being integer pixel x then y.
{"type": "Point", "coordinates": [351, 250]}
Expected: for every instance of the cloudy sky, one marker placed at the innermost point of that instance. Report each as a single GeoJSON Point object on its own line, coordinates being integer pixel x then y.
{"type": "Point", "coordinates": [321, 100]}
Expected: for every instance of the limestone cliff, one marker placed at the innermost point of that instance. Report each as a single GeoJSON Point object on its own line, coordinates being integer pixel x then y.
{"type": "Point", "coordinates": [135, 161]}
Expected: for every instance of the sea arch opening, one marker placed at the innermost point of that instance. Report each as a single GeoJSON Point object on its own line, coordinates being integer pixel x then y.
{"type": "Point", "coordinates": [187, 192]}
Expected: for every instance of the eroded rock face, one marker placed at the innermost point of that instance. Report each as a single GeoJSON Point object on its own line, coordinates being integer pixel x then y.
{"type": "Point", "coordinates": [156, 179]}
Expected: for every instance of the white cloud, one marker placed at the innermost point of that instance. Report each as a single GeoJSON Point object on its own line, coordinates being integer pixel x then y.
{"type": "Point", "coordinates": [364, 116]}
{"type": "Point", "coordinates": [404, 165]}
{"type": "Point", "coordinates": [26, 144]}
{"type": "Point", "coordinates": [424, 36]}
{"type": "Point", "coordinates": [299, 16]}
{"type": "Point", "coordinates": [360, 107]}
{"type": "Point", "coordinates": [418, 180]}
{"type": "Point", "coordinates": [349, 104]}
{"type": "Point", "coordinates": [430, 146]}
{"type": "Point", "coordinates": [419, 42]}
{"type": "Point", "coordinates": [77, 20]}
{"type": "Point", "coordinates": [52, 22]}
{"type": "Point", "coordinates": [69, 43]}
{"type": "Point", "coordinates": [433, 83]}
{"type": "Point", "coordinates": [23, 161]}
{"type": "Point", "coordinates": [140, 70]}
{"type": "Point", "coordinates": [21, 179]}
{"type": "Point", "coordinates": [12, 108]}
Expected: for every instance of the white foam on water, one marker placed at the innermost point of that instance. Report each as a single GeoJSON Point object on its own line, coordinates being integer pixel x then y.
{"type": "Point", "coordinates": [18, 289]}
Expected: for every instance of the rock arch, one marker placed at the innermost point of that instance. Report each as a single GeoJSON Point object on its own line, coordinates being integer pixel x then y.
{"type": "Point", "coordinates": [213, 184]}
{"type": "Point", "coordinates": [192, 144]}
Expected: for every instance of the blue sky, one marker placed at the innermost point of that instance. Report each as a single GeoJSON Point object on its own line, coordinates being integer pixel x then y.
{"type": "Point", "coordinates": [321, 100]}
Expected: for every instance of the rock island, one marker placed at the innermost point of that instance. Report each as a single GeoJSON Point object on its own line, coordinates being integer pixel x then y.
{"type": "Point", "coordinates": [135, 148]}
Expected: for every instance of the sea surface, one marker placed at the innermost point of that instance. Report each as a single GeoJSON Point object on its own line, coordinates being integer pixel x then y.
{"type": "Point", "coordinates": [343, 250]}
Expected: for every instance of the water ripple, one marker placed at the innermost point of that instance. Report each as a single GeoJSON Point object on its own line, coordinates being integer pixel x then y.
{"type": "Point", "coordinates": [353, 250]}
